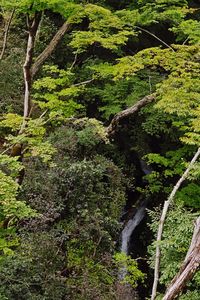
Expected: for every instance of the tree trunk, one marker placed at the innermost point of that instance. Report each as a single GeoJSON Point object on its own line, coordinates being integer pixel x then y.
{"type": "Point", "coordinates": [30, 69]}
{"type": "Point", "coordinates": [28, 62]}
{"type": "Point", "coordinates": [190, 266]}
{"type": "Point", "coordinates": [32, 30]}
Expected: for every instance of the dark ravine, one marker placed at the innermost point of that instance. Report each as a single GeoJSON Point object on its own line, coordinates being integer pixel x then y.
{"type": "Point", "coordinates": [131, 233]}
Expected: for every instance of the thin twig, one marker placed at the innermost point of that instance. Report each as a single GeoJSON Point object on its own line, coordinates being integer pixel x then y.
{"type": "Point", "coordinates": [150, 86]}
{"type": "Point", "coordinates": [185, 40]}
{"type": "Point", "coordinates": [7, 27]}
{"type": "Point", "coordinates": [84, 82]}
{"type": "Point", "coordinates": [11, 146]}
{"type": "Point", "coordinates": [37, 36]}
{"type": "Point", "coordinates": [43, 114]}
{"type": "Point", "coordinates": [6, 150]}
{"type": "Point", "coordinates": [156, 37]}
{"type": "Point", "coordinates": [74, 62]}
{"type": "Point", "coordinates": [162, 220]}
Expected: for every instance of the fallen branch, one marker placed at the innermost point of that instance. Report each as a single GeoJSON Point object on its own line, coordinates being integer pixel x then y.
{"type": "Point", "coordinates": [189, 267]}
{"type": "Point", "coordinates": [162, 220]}
{"type": "Point", "coordinates": [129, 111]}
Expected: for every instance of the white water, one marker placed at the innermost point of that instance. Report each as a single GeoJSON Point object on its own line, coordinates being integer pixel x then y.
{"type": "Point", "coordinates": [130, 227]}
{"type": "Point", "coordinates": [127, 232]}
{"type": "Point", "coordinates": [133, 223]}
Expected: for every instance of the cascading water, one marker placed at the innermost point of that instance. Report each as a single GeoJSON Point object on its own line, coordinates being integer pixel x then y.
{"type": "Point", "coordinates": [127, 232]}
{"type": "Point", "coordinates": [133, 222]}
{"type": "Point", "coordinates": [130, 226]}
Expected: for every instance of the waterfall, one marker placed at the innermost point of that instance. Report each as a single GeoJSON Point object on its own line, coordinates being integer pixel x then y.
{"type": "Point", "coordinates": [127, 232]}
{"type": "Point", "coordinates": [130, 226]}
{"type": "Point", "coordinates": [133, 222]}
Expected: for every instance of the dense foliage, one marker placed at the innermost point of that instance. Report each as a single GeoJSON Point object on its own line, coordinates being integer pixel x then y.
{"type": "Point", "coordinates": [64, 182]}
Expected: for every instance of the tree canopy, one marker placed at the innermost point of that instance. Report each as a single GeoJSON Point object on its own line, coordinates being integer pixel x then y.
{"type": "Point", "coordinates": [100, 113]}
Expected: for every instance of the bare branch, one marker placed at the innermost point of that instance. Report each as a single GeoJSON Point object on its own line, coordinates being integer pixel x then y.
{"type": "Point", "coordinates": [37, 36]}
{"type": "Point", "coordinates": [156, 37]}
{"type": "Point", "coordinates": [74, 62]}
{"type": "Point", "coordinates": [150, 86]}
{"type": "Point", "coordinates": [129, 111]}
{"type": "Point", "coordinates": [50, 48]}
{"type": "Point", "coordinates": [162, 220]}
{"type": "Point", "coordinates": [7, 27]}
{"type": "Point", "coordinates": [84, 82]}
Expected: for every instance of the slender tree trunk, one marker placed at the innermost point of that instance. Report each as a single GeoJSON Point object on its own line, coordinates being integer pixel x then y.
{"type": "Point", "coordinates": [30, 70]}
{"type": "Point", "coordinates": [33, 26]}
{"type": "Point", "coordinates": [32, 30]}
{"type": "Point", "coordinates": [190, 266]}
{"type": "Point", "coordinates": [7, 27]}
{"type": "Point", "coordinates": [162, 220]}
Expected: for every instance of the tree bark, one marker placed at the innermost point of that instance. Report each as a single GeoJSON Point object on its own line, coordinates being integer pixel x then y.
{"type": "Point", "coordinates": [128, 112]}
{"type": "Point", "coordinates": [28, 61]}
{"type": "Point", "coordinates": [50, 48]}
{"type": "Point", "coordinates": [190, 266]}
{"type": "Point", "coordinates": [162, 220]}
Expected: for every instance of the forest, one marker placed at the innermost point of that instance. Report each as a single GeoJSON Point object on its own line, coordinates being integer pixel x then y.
{"type": "Point", "coordinates": [99, 149]}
